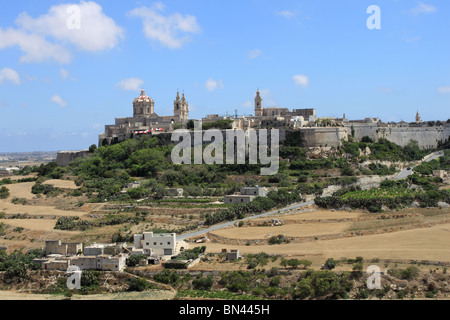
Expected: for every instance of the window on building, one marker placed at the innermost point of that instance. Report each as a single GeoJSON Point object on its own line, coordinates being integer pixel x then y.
{"type": "Point", "coordinates": [168, 242]}
{"type": "Point", "coordinates": [160, 243]}
{"type": "Point", "coordinates": [147, 243]}
{"type": "Point", "coordinates": [154, 243]}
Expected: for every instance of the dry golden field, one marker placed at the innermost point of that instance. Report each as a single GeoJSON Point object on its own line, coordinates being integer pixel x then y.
{"type": "Point", "coordinates": [411, 234]}
{"type": "Point", "coordinates": [288, 230]}
{"type": "Point", "coordinates": [31, 224]}
{"type": "Point", "coordinates": [63, 184]}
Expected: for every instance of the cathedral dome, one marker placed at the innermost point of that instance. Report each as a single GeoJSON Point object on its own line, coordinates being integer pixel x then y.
{"type": "Point", "coordinates": [143, 97]}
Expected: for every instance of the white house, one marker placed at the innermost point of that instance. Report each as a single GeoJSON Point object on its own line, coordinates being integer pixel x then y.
{"type": "Point", "coordinates": [156, 244]}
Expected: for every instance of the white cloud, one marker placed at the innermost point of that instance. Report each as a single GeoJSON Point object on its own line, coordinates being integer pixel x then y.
{"type": "Point", "coordinates": [444, 90]}
{"type": "Point", "coordinates": [301, 80]}
{"type": "Point", "coordinates": [212, 85]}
{"type": "Point", "coordinates": [10, 75]}
{"type": "Point", "coordinates": [58, 100]}
{"type": "Point", "coordinates": [96, 31]}
{"type": "Point", "coordinates": [255, 53]}
{"type": "Point", "coordinates": [35, 47]}
{"type": "Point", "coordinates": [46, 37]}
{"type": "Point", "coordinates": [171, 31]}
{"type": "Point", "coordinates": [285, 13]}
{"type": "Point", "coordinates": [131, 84]}
{"type": "Point", "coordinates": [422, 8]}
{"type": "Point", "coordinates": [64, 73]}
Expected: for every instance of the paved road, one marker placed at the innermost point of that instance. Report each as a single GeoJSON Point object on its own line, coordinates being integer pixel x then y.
{"type": "Point", "coordinates": [402, 175]}
{"type": "Point", "coordinates": [229, 223]}
{"type": "Point", "coordinates": [405, 173]}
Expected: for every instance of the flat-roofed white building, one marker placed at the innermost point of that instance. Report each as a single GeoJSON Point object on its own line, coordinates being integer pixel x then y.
{"type": "Point", "coordinates": [97, 249]}
{"type": "Point", "coordinates": [237, 198]}
{"type": "Point", "coordinates": [156, 244]}
{"type": "Point", "coordinates": [101, 262]}
{"type": "Point", "coordinates": [254, 191]}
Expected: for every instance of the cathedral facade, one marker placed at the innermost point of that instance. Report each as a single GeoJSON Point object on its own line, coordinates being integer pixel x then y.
{"type": "Point", "coordinates": [145, 118]}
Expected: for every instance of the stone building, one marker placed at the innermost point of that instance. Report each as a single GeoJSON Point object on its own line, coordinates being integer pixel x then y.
{"type": "Point", "coordinates": [156, 244]}
{"type": "Point", "coordinates": [285, 115]}
{"type": "Point", "coordinates": [316, 132]}
{"type": "Point", "coordinates": [64, 249]}
{"type": "Point", "coordinates": [247, 195]}
{"type": "Point", "coordinates": [145, 118]}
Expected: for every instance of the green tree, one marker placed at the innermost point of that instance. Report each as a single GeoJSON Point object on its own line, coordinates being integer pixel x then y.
{"type": "Point", "coordinates": [303, 289]}
{"type": "Point", "coordinates": [145, 162]}
{"type": "Point", "coordinates": [293, 263]}
{"type": "Point", "coordinates": [304, 263]}
{"type": "Point", "coordinates": [92, 148]}
{"type": "Point", "coordinates": [330, 264]}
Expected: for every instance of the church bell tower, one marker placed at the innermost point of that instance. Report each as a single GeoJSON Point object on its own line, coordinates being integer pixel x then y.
{"type": "Point", "coordinates": [258, 105]}
{"type": "Point", "coordinates": [181, 108]}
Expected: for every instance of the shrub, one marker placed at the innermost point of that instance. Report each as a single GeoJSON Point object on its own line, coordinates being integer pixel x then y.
{"type": "Point", "coordinates": [138, 284]}
{"type": "Point", "coordinates": [237, 281]}
{"type": "Point", "coordinates": [275, 281]}
{"type": "Point", "coordinates": [203, 283]}
{"type": "Point", "coordinates": [134, 259]}
{"type": "Point", "coordinates": [410, 273]}
{"type": "Point", "coordinates": [21, 201]}
{"type": "Point", "coordinates": [358, 266]}
{"type": "Point", "coordinates": [40, 188]}
{"type": "Point", "coordinates": [88, 278]}
{"type": "Point", "coordinates": [167, 277]}
{"type": "Point", "coordinates": [255, 260]}
{"type": "Point", "coordinates": [4, 192]}
{"type": "Point", "coordinates": [279, 239]}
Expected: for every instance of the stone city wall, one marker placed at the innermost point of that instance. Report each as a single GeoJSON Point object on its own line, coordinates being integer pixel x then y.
{"type": "Point", "coordinates": [65, 157]}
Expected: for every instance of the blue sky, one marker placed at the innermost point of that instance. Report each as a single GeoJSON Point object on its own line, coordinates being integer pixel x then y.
{"type": "Point", "coordinates": [60, 85]}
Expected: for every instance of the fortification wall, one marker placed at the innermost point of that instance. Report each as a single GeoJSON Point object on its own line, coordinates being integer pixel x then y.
{"type": "Point", "coordinates": [324, 137]}
{"type": "Point", "coordinates": [63, 158]}
{"type": "Point", "coordinates": [427, 137]}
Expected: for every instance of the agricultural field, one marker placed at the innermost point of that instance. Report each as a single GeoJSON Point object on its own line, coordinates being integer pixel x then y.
{"type": "Point", "coordinates": [409, 234]}
{"type": "Point", "coordinates": [113, 194]}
